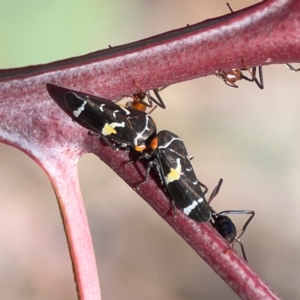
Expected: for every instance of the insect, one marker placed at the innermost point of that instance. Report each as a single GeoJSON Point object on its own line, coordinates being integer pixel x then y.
{"type": "Point", "coordinates": [167, 154]}
{"type": "Point", "coordinates": [224, 225]}
{"type": "Point", "coordinates": [118, 126]}
{"type": "Point", "coordinates": [230, 77]}
{"type": "Point", "coordinates": [139, 99]}
{"type": "Point", "coordinates": [292, 68]}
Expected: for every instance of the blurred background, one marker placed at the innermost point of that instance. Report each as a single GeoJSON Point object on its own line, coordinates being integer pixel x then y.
{"type": "Point", "coordinates": [247, 136]}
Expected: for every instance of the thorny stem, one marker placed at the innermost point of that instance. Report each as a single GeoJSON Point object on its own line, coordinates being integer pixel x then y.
{"type": "Point", "coordinates": [265, 33]}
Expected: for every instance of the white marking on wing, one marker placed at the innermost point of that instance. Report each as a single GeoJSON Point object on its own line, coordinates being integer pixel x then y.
{"type": "Point", "coordinates": [114, 113]}
{"type": "Point", "coordinates": [140, 134]}
{"type": "Point", "coordinates": [126, 110]}
{"type": "Point", "coordinates": [170, 142]}
{"type": "Point", "coordinates": [115, 124]}
{"type": "Point", "coordinates": [192, 206]}
{"type": "Point", "coordinates": [101, 107]}
{"type": "Point", "coordinates": [80, 109]}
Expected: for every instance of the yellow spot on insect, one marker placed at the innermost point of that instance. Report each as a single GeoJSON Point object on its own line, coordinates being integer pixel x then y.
{"type": "Point", "coordinates": [109, 129]}
{"type": "Point", "coordinates": [174, 174]}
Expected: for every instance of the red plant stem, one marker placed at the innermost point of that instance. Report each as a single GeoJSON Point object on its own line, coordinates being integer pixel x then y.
{"type": "Point", "coordinates": [63, 175]}
{"type": "Point", "coordinates": [262, 34]}
{"type": "Point", "coordinates": [265, 33]}
{"type": "Point", "coordinates": [202, 237]}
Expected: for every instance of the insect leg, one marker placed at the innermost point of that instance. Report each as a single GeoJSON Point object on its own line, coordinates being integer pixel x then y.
{"type": "Point", "coordinates": [151, 164]}
{"type": "Point", "coordinates": [260, 82]}
{"type": "Point", "coordinates": [151, 99]}
{"type": "Point", "coordinates": [159, 100]}
{"type": "Point", "coordinates": [215, 191]}
{"type": "Point", "coordinates": [292, 68]}
{"type": "Point", "coordinates": [204, 186]}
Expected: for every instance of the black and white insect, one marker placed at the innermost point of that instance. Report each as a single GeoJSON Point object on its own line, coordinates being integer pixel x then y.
{"type": "Point", "coordinates": [117, 125]}
{"type": "Point", "coordinates": [225, 226]}
{"type": "Point", "coordinates": [167, 154]}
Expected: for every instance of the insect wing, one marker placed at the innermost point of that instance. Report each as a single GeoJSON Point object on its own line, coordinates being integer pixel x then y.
{"type": "Point", "coordinates": [85, 110]}
{"type": "Point", "coordinates": [125, 126]}
{"type": "Point", "coordinates": [75, 105]}
{"type": "Point", "coordinates": [179, 177]}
